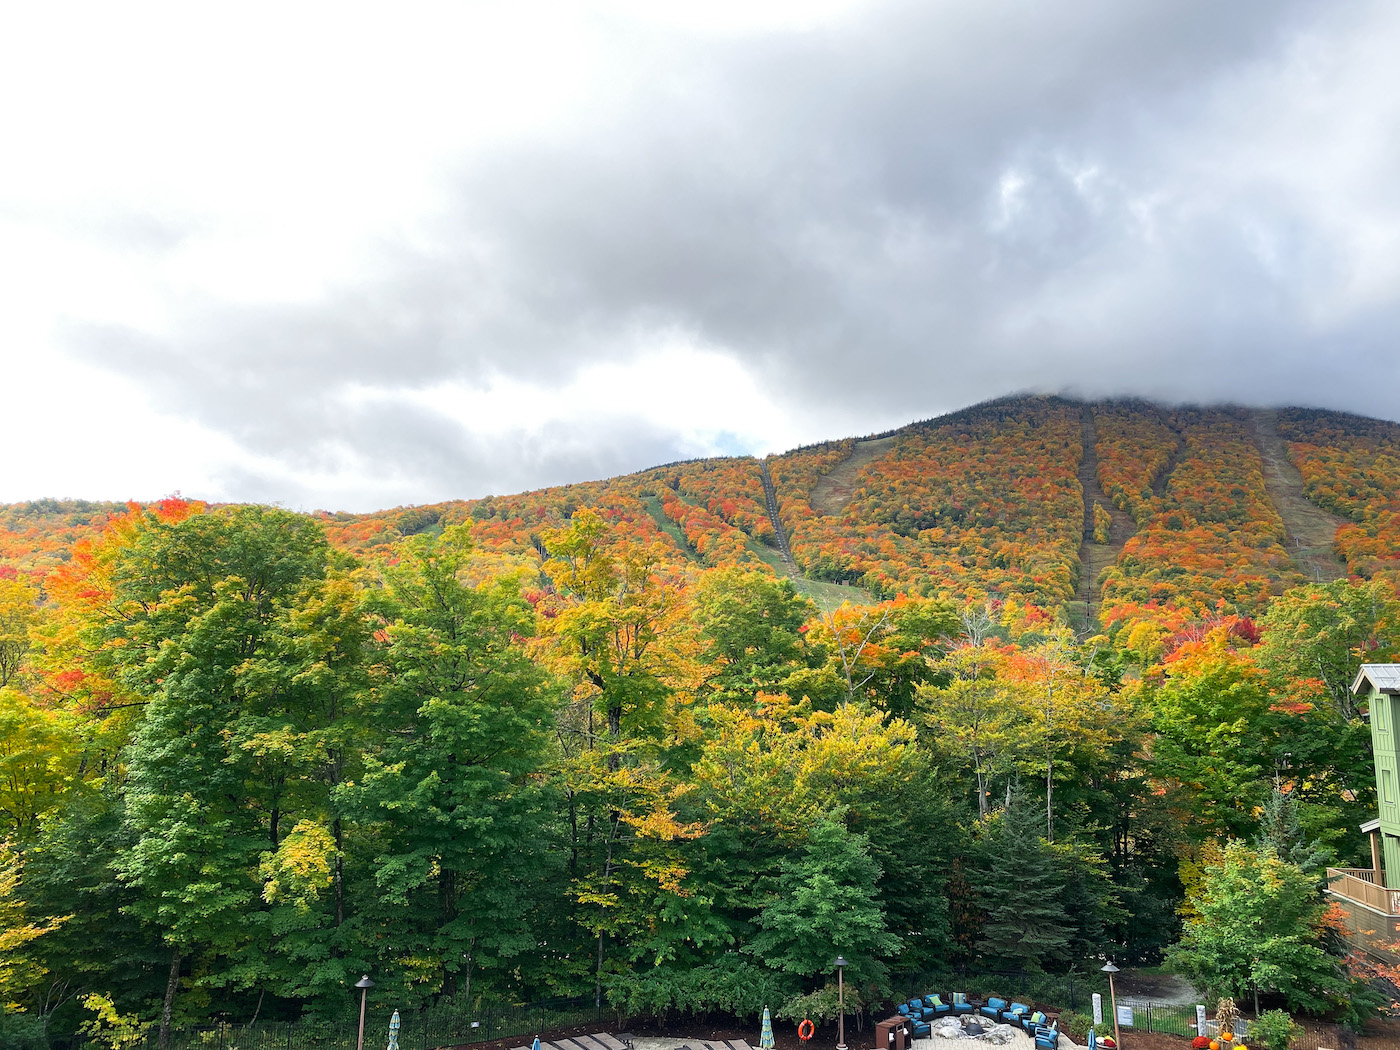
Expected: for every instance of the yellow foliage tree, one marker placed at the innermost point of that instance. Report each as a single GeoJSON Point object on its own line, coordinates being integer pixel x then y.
{"type": "Point", "coordinates": [975, 714]}
{"type": "Point", "coordinates": [1066, 709]}
{"type": "Point", "coordinates": [17, 615]}
{"type": "Point", "coordinates": [781, 768]}
{"type": "Point", "coordinates": [18, 971]}
{"type": "Point", "coordinates": [1103, 521]}
{"type": "Point", "coordinates": [39, 763]}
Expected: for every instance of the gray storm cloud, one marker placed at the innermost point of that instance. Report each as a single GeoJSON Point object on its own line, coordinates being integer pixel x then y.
{"type": "Point", "coordinates": [913, 208]}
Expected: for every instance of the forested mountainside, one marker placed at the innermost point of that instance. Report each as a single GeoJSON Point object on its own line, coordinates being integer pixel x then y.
{"type": "Point", "coordinates": [598, 738]}
{"type": "Point", "coordinates": [983, 503]}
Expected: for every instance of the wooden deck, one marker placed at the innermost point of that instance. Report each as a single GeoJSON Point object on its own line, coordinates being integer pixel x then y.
{"type": "Point", "coordinates": [1359, 886]}
{"type": "Point", "coordinates": [1370, 912]}
{"type": "Point", "coordinates": [597, 1041]}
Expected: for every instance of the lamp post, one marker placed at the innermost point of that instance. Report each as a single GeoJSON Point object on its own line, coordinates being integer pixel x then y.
{"type": "Point", "coordinates": [841, 1002]}
{"type": "Point", "coordinates": [364, 984]}
{"type": "Point", "coordinates": [1110, 969]}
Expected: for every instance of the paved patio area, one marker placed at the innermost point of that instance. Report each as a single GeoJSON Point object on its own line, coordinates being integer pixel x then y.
{"type": "Point", "coordinates": [1006, 1036]}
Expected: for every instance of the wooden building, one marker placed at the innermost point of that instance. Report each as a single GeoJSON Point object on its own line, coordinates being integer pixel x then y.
{"type": "Point", "coordinates": [1370, 897]}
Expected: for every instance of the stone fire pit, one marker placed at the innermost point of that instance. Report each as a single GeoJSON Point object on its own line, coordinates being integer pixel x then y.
{"type": "Point", "coordinates": [982, 1029]}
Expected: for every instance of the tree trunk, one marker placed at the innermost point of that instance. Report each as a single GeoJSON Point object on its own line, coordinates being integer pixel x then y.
{"type": "Point", "coordinates": [615, 732]}
{"type": "Point", "coordinates": [607, 874]}
{"type": "Point", "coordinates": [1049, 794]}
{"type": "Point", "coordinates": [170, 987]}
{"type": "Point", "coordinates": [598, 977]}
{"type": "Point", "coordinates": [573, 833]}
{"type": "Point", "coordinates": [339, 874]}
{"type": "Point", "coordinates": [981, 789]}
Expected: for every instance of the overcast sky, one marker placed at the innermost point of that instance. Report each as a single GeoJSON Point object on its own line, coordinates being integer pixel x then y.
{"type": "Point", "coordinates": [352, 257]}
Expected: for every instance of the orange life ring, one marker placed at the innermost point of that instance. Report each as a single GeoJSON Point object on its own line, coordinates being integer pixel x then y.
{"type": "Point", "coordinates": [804, 1030]}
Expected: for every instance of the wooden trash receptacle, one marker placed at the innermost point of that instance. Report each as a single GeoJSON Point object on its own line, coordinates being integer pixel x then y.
{"type": "Point", "coordinates": [892, 1034]}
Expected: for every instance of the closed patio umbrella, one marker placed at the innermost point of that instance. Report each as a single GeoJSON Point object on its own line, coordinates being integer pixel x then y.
{"type": "Point", "coordinates": [765, 1039]}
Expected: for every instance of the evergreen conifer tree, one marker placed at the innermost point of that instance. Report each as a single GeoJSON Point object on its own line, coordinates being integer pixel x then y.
{"type": "Point", "coordinates": [1021, 891]}
{"type": "Point", "coordinates": [1282, 831]}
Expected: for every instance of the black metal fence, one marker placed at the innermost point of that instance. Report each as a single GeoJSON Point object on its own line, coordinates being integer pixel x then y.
{"type": "Point", "coordinates": [1068, 991]}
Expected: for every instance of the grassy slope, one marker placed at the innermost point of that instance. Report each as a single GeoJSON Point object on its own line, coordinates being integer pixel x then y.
{"type": "Point", "coordinates": [1311, 529]}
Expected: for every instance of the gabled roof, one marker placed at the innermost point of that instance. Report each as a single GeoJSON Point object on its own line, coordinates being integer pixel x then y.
{"type": "Point", "coordinates": [1384, 678]}
{"type": "Point", "coordinates": [1371, 825]}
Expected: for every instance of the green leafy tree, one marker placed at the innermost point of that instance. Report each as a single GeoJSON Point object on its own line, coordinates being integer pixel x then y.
{"type": "Point", "coordinates": [1090, 898]}
{"type": "Point", "coordinates": [451, 786]}
{"type": "Point", "coordinates": [827, 904]}
{"type": "Point", "coordinates": [1214, 738]}
{"type": "Point", "coordinates": [19, 969]}
{"type": "Point", "coordinates": [970, 715]}
{"type": "Point", "coordinates": [194, 602]}
{"type": "Point", "coordinates": [1325, 631]}
{"type": "Point", "coordinates": [753, 622]}
{"type": "Point", "coordinates": [1274, 1030]}
{"type": "Point", "coordinates": [1257, 927]}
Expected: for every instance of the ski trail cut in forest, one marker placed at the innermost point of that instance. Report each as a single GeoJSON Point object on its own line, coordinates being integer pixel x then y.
{"type": "Point", "coordinates": [1159, 483]}
{"type": "Point", "coordinates": [835, 488]}
{"type": "Point", "coordinates": [827, 596]}
{"type": "Point", "coordinates": [1095, 557]}
{"type": "Point", "coordinates": [770, 496]}
{"type": "Point", "coordinates": [1310, 529]}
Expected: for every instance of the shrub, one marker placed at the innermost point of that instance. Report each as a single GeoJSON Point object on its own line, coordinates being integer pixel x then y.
{"type": "Point", "coordinates": [1200, 1042]}
{"type": "Point", "coordinates": [820, 1005]}
{"type": "Point", "coordinates": [1273, 1030]}
{"type": "Point", "coordinates": [1075, 1025]}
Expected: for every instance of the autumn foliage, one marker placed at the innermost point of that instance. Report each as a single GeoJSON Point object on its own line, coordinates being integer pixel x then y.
{"type": "Point", "coordinates": [593, 740]}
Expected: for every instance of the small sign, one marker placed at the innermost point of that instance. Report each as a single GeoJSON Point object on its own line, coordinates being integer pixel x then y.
{"type": "Point", "coordinates": [1200, 1019]}
{"type": "Point", "coordinates": [1098, 1008]}
{"type": "Point", "coordinates": [1125, 1016]}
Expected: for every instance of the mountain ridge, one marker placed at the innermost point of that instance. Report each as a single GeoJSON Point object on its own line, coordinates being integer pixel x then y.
{"type": "Point", "coordinates": [988, 502]}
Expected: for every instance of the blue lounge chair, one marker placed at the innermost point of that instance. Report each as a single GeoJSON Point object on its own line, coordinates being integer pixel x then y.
{"type": "Point", "coordinates": [1017, 1014]}
{"type": "Point", "coordinates": [1046, 1038]}
{"type": "Point", "coordinates": [993, 1008]}
{"type": "Point", "coordinates": [960, 1004]}
{"type": "Point", "coordinates": [934, 1006]}
{"type": "Point", "coordinates": [918, 1028]}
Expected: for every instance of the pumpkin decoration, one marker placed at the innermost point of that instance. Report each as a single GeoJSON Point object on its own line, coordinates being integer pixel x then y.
{"type": "Point", "coordinates": [1214, 1045]}
{"type": "Point", "coordinates": [1225, 1037]}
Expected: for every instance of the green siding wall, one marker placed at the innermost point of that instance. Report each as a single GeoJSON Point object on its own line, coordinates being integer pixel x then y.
{"type": "Point", "coordinates": [1386, 743]}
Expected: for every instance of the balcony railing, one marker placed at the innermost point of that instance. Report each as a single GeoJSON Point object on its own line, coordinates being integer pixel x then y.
{"type": "Point", "coordinates": [1359, 885]}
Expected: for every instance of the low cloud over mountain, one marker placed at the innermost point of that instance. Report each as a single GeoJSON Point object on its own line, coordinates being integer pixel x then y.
{"type": "Point", "coordinates": [360, 262]}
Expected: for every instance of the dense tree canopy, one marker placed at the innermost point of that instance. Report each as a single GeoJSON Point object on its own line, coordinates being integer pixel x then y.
{"type": "Point", "coordinates": [589, 741]}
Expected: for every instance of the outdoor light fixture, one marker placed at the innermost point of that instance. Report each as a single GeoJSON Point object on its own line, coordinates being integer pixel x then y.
{"type": "Point", "coordinates": [841, 965]}
{"type": "Point", "coordinates": [1110, 969]}
{"type": "Point", "coordinates": [364, 984]}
